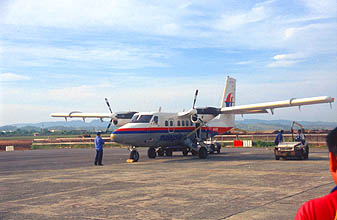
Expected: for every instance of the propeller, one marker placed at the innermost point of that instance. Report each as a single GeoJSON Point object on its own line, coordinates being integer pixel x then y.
{"type": "Point", "coordinates": [107, 102]}
{"type": "Point", "coordinates": [195, 98]}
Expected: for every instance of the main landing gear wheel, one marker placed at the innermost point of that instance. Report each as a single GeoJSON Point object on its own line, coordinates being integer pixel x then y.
{"type": "Point", "coordinates": [185, 151]}
{"type": "Point", "coordinates": [160, 152]}
{"type": "Point", "coordinates": [134, 155]}
{"type": "Point", "coordinates": [168, 152]}
{"type": "Point", "coordinates": [203, 153]}
{"type": "Point", "coordinates": [151, 153]}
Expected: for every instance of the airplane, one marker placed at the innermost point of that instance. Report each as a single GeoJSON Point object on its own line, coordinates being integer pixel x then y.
{"type": "Point", "coordinates": [188, 131]}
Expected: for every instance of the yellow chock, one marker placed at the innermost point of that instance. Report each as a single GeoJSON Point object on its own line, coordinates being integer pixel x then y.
{"type": "Point", "coordinates": [130, 161]}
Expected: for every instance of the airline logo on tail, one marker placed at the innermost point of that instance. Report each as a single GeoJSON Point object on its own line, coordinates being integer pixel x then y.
{"type": "Point", "coordinates": [229, 100]}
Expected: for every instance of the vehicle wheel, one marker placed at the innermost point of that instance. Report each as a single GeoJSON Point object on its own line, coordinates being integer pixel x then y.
{"type": "Point", "coordinates": [212, 147]}
{"type": "Point", "coordinates": [203, 153]}
{"type": "Point", "coordinates": [306, 155]}
{"type": "Point", "coordinates": [168, 152]}
{"type": "Point", "coordinates": [218, 148]}
{"type": "Point", "coordinates": [134, 155]}
{"type": "Point", "coordinates": [277, 157]}
{"type": "Point", "coordinates": [151, 152]}
{"type": "Point", "coordinates": [160, 152]}
{"type": "Point", "coordinates": [185, 151]}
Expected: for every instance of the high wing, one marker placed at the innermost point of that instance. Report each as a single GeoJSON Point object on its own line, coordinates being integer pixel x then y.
{"type": "Point", "coordinates": [188, 113]}
{"type": "Point", "coordinates": [77, 114]}
{"type": "Point", "coordinates": [262, 107]}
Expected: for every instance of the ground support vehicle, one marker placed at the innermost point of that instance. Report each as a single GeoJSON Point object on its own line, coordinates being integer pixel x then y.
{"type": "Point", "coordinates": [292, 149]}
{"type": "Point", "coordinates": [298, 148]}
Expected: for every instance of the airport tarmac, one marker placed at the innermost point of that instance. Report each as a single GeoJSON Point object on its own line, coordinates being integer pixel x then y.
{"type": "Point", "coordinates": [239, 183]}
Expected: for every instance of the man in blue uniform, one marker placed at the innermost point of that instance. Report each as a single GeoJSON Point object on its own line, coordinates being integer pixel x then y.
{"type": "Point", "coordinates": [99, 149]}
{"type": "Point", "coordinates": [279, 137]}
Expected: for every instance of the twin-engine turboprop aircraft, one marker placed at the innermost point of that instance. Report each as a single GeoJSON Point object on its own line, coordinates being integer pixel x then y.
{"type": "Point", "coordinates": [186, 131]}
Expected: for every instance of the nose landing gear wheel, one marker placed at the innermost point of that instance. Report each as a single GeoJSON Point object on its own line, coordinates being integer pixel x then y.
{"type": "Point", "coordinates": [134, 155]}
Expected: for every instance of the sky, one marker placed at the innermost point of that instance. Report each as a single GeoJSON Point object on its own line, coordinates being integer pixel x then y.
{"type": "Point", "coordinates": [66, 55]}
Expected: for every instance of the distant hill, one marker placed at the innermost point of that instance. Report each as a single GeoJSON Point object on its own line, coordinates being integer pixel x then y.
{"type": "Point", "coordinates": [263, 125]}
{"type": "Point", "coordinates": [247, 124]}
{"type": "Point", "coordinates": [60, 125]}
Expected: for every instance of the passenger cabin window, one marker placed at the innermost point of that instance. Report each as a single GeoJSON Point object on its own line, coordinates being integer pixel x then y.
{"type": "Point", "coordinates": [166, 123]}
{"type": "Point", "coordinates": [141, 118]}
{"type": "Point", "coordinates": [191, 123]}
{"type": "Point", "coordinates": [171, 123]}
{"type": "Point", "coordinates": [182, 123]}
{"type": "Point", "coordinates": [178, 123]}
{"type": "Point", "coordinates": [187, 123]}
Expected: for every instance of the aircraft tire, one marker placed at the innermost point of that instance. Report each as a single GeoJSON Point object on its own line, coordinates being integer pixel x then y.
{"type": "Point", "coordinates": [168, 152]}
{"type": "Point", "coordinates": [151, 153]}
{"type": "Point", "coordinates": [185, 151]}
{"type": "Point", "coordinates": [134, 155]}
{"type": "Point", "coordinates": [203, 153]}
{"type": "Point", "coordinates": [161, 152]}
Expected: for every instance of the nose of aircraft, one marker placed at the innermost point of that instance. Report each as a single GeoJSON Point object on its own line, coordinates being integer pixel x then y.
{"type": "Point", "coordinates": [112, 137]}
{"type": "Point", "coordinates": [116, 137]}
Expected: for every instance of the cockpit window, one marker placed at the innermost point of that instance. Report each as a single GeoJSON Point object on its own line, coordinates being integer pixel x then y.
{"type": "Point", "coordinates": [155, 119]}
{"type": "Point", "coordinates": [141, 118]}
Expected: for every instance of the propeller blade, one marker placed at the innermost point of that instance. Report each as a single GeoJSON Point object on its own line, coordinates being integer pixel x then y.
{"type": "Point", "coordinates": [108, 126]}
{"type": "Point", "coordinates": [195, 98]}
{"type": "Point", "coordinates": [107, 102]}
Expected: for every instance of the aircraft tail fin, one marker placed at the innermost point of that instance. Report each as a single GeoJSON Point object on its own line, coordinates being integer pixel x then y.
{"type": "Point", "coordinates": [228, 96]}
{"type": "Point", "coordinates": [224, 122]}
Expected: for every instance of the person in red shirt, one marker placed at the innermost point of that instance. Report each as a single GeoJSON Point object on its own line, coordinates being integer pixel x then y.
{"type": "Point", "coordinates": [324, 208]}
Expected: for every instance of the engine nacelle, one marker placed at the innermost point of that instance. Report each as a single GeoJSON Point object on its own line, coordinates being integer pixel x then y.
{"type": "Point", "coordinates": [195, 119]}
{"type": "Point", "coordinates": [120, 122]}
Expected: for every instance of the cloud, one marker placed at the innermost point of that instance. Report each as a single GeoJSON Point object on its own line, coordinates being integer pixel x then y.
{"type": "Point", "coordinates": [286, 60]}
{"type": "Point", "coordinates": [229, 22]}
{"type": "Point", "coordinates": [7, 77]}
{"type": "Point", "coordinates": [247, 62]}
{"type": "Point", "coordinates": [112, 56]}
{"type": "Point", "coordinates": [283, 63]}
{"type": "Point", "coordinates": [118, 15]}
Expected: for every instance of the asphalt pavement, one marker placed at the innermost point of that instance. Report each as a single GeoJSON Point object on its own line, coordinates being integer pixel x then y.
{"type": "Point", "coordinates": [239, 183]}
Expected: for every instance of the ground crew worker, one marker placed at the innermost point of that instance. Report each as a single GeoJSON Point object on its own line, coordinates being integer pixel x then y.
{"type": "Point", "coordinates": [99, 149]}
{"type": "Point", "coordinates": [279, 138]}
{"type": "Point", "coordinates": [326, 206]}
{"type": "Point", "coordinates": [300, 136]}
